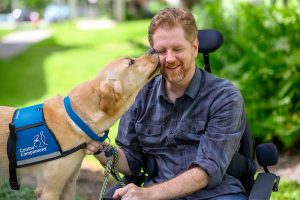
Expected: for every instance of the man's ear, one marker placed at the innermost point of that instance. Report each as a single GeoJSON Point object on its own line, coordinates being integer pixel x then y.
{"type": "Point", "coordinates": [108, 102]}
{"type": "Point", "coordinates": [195, 47]}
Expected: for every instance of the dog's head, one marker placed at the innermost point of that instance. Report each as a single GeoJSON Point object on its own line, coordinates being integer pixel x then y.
{"type": "Point", "coordinates": [121, 80]}
{"type": "Point", "coordinates": [102, 101]}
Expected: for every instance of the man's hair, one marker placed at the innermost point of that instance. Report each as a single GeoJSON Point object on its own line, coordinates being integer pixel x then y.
{"type": "Point", "coordinates": [171, 18]}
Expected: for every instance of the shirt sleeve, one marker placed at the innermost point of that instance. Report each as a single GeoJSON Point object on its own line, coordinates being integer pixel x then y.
{"type": "Point", "coordinates": [222, 135]}
{"type": "Point", "coordinates": [128, 142]}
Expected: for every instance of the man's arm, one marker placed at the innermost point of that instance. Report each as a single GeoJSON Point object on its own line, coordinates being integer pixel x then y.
{"type": "Point", "coordinates": [184, 184]}
{"type": "Point", "coordinates": [123, 166]}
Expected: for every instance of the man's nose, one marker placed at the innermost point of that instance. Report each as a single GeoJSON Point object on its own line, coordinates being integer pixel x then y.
{"type": "Point", "coordinates": [170, 56]}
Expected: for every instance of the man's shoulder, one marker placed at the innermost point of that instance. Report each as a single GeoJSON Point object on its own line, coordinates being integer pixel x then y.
{"type": "Point", "coordinates": [150, 88]}
{"type": "Point", "coordinates": [215, 83]}
{"type": "Point", "coordinates": [154, 83]}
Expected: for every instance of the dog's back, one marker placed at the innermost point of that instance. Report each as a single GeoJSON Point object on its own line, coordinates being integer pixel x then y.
{"type": "Point", "coordinates": [6, 114]}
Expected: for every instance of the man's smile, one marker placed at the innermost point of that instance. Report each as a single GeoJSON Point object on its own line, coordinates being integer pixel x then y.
{"type": "Point", "coordinates": [172, 67]}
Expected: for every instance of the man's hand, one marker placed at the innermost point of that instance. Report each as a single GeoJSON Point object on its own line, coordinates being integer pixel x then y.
{"type": "Point", "coordinates": [131, 192]}
{"type": "Point", "coordinates": [195, 178]}
{"type": "Point", "coordinates": [93, 147]}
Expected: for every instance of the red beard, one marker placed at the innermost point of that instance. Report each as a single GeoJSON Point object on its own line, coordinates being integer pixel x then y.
{"type": "Point", "coordinates": [174, 73]}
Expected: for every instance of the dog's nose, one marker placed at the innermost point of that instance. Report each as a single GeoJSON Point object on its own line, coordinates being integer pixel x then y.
{"type": "Point", "coordinates": [151, 51]}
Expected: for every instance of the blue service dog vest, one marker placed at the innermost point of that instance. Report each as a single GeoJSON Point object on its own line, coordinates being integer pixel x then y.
{"type": "Point", "coordinates": [31, 141]}
{"type": "Point", "coordinates": [35, 142]}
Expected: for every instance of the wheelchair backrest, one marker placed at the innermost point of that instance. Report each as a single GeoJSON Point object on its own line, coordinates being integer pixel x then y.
{"type": "Point", "coordinates": [242, 165]}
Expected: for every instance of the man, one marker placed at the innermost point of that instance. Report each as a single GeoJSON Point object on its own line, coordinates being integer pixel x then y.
{"type": "Point", "coordinates": [186, 122]}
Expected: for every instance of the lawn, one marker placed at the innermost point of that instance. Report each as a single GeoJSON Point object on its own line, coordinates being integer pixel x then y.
{"type": "Point", "coordinates": [69, 57]}
{"type": "Point", "coordinates": [4, 32]}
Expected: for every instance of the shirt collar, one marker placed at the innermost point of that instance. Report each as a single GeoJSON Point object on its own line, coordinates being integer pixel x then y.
{"type": "Point", "coordinates": [195, 84]}
{"type": "Point", "coordinates": [191, 90]}
{"type": "Point", "coordinates": [162, 91]}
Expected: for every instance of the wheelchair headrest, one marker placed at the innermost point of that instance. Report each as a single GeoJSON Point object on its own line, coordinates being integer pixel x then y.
{"type": "Point", "coordinates": [267, 154]}
{"type": "Point", "coordinates": [209, 40]}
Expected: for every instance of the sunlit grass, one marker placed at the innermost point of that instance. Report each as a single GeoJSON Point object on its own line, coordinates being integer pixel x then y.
{"type": "Point", "coordinates": [4, 32]}
{"type": "Point", "coordinates": [288, 190]}
{"type": "Point", "coordinates": [69, 57]}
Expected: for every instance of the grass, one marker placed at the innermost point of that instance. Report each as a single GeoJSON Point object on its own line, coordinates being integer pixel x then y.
{"type": "Point", "coordinates": [69, 57]}
{"type": "Point", "coordinates": [4, 32]}
{"type": "Point", "coordinates": [25, 193]}
{"type": "Point", "coordinates": [288, 190]}
{"type": "Point", "coordinates": [6, 193]}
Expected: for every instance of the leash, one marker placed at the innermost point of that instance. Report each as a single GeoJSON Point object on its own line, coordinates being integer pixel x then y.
{"type": "Point", "coordinates": [111, 168]}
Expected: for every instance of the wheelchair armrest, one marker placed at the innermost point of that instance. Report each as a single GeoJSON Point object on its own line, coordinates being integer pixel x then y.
{"type": "Point", "coordinates": [263, 186]}
{"type": "Point", "coordinates": [266, 182]}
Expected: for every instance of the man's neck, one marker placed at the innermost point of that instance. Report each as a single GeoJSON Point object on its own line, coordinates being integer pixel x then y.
{"type": "Point", "coordinates": [176, 90]}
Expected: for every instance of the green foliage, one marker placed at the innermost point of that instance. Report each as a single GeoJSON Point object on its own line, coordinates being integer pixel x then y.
{"type": "Point", "coordinates": [6, 193]}
{"type": "Point", "coordinates": [25, 193]}
{"type": "Point", "coordinates": [261, 56]}
{"type": "Point", "coordinates": [36, 5]}
{"type": "Point", "coordinates": [4, 6]}
{"type": "Point", "coordinates": [288, 190]}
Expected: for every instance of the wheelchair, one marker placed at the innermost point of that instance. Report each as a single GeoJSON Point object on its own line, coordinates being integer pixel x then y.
{"type": "Point", "coordinates": [243, 165]}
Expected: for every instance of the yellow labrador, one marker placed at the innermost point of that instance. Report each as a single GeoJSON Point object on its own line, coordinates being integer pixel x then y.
{"type": "Point", "coordinates": [99, 103]}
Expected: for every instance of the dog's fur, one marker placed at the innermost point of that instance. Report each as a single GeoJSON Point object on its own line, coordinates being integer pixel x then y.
{"type": "Point", "coordinates": [99, 102]}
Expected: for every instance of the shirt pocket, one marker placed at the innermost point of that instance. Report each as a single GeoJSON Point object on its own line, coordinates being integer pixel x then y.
{"type": "Point", "coordinates": [190, 130]}
{"type": "Point", "coordinates": [149, 135]}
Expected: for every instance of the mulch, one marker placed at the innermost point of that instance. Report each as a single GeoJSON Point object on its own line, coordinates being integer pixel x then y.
{"type": "Point", "coordinates": [90, 181]}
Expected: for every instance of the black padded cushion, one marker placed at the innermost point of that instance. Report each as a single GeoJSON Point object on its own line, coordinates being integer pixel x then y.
{"type": "Point", "coordinates": [209, 40]}
{"type": "Point", "coordinates": [243, 165]}
{"type": "Point", "coordinates": [267, 154]}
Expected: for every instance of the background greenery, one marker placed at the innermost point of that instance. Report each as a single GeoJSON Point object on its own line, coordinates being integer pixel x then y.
{"type": "Point", "coordinates": [261, 55]}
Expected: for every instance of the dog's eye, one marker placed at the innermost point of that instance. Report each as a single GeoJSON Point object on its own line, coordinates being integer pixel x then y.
{"type": "Point", "coordinates": [131, 62]}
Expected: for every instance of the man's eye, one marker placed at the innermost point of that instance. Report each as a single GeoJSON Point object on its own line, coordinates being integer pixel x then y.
{"type": "Point", "coordinates": [177, 49]}
{"type": "Point", "coordinates": [160, 51]}
{"type": "Point", "coordinates": [131, 62]}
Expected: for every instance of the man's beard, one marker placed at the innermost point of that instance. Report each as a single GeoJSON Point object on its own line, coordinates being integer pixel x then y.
{"type": "Point", "coordinates": [178, 74]}
{"type": "Point", "coordinates": [174, 76]}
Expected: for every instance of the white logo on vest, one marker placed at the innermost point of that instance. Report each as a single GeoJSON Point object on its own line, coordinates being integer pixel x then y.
{"type": "Point", "coordinates": [39, 145]}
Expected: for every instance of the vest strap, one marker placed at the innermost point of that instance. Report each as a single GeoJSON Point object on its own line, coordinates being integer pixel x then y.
{"type": "Point", "coordinates": [73, 150]}
{"type": "Point", "coordinates": [11, 153]}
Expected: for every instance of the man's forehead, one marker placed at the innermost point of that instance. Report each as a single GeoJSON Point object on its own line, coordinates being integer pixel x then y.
{"type": "Point", "coordinates": [171, 36]}
{"type": "Point", "coordinates": [168, 29]}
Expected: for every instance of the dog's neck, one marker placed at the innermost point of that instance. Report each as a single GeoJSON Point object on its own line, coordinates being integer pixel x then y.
{"type": "Point", "coordinates": [84, 101]}
{"type": "Point", "coordinates": [86, 118]}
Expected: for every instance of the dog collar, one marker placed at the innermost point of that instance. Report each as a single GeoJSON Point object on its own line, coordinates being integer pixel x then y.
{"type": "Point", "coordinates": [81, 124]}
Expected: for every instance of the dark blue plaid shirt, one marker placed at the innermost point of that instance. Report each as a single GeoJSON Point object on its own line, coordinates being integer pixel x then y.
{"type": "Point", "coordinates": [202, 128]}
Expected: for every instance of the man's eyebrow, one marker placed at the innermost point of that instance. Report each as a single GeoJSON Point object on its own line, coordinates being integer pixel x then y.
{"type": "Point", "coordinates": [158, 49]}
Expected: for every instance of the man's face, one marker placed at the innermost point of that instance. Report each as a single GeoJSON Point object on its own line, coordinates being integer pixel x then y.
{"type": "Point", "coordinates": [177, 55]}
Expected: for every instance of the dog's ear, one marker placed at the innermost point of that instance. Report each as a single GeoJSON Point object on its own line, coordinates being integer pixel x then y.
{"type": "Point", "coordinates": [108, 101]}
